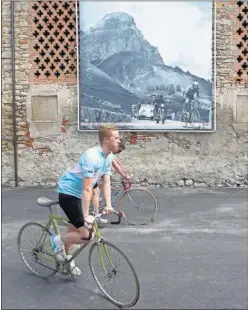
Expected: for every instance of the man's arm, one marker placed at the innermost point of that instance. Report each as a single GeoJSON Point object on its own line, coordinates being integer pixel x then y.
{"type": "Point", "coordinates": [107, 185]}
{"type": "Point", "coordinates": [87, 163]}
{"type": "Point", "coordinates": [87, 195]}
{"type": "Point", "coordinates": [107, 190]}
{"type": "Point", "coordinates": [119, 169]}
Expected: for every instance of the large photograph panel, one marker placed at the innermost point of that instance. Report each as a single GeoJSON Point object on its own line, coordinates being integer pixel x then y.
{"type": "Point", "coordinates": [146, 65]}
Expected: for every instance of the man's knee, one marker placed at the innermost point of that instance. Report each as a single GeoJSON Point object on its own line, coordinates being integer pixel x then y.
{"type": "Point", "coordinates": [71, 227]}
{"type": "Point", "coordinates": [96, 191]}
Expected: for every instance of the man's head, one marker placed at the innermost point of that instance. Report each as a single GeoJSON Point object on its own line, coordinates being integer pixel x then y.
{"type": "Point", "coordinates": [121, 147]}
{"type": "Point", "coordinates": [109, 137]}
{"type": "Point", "coordinates": [195, 85]}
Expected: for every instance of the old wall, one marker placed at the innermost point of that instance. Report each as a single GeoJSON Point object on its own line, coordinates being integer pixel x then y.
{"type": "Point", "coordinates": [47, 138]}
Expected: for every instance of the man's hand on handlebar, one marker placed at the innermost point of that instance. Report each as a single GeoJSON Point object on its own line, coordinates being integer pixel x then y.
{"type": "Point", "coordinates": [108, 210]}
{"type": "Point", "coordinates": [88, 221]}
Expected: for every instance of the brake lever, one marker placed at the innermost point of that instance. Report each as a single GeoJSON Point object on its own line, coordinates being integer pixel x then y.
{"type": "Point", "coordinates": [120, 214]}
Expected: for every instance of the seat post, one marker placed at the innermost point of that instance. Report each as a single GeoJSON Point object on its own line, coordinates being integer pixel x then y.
{"type": "Point", "coordinates": [50, 208]}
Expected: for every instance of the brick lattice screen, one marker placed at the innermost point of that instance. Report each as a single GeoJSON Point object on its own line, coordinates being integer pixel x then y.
{"type": "Point", "coordinates": [53, 44]}
{"type": "Point", "coordinates": [242, 41]}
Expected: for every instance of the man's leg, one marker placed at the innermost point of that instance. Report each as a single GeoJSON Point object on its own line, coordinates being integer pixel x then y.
{"type": "Point", "coordinates": [73, 210]}
{"type": "Point", "coordinates": [96, 202]}
{"type": "Point", "coordinates": [75, 237]}
{"type": "Point", "coordinates": [70, 228]}
{"type": "Point", "coordinates": [75, 231]}
{"type": "Point", "coordinates": [95, 199]}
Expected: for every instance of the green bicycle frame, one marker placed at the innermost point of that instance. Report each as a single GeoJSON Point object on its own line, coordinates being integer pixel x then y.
{"type": "Point", "coordinates": [52, 220]}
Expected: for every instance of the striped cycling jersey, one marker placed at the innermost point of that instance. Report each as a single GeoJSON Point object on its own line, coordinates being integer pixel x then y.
{"type": "Point", "coordinates": [92, 164]}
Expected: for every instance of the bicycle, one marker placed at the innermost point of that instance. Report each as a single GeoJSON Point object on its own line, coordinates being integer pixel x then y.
{"type": "Point", "coordinates": [190, 114]}
{"type": "Point", "coordinates": [143, 195]}
{"type": "Point", "coordinates": [42, 255]}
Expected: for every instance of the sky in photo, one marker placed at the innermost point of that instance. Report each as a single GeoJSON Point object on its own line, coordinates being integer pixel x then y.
{"type": "Point", "coordinates": [182, 31]}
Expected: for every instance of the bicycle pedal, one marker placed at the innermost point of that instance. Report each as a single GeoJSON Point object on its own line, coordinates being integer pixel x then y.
{"type": "Point", "coordinates": [64, 269]}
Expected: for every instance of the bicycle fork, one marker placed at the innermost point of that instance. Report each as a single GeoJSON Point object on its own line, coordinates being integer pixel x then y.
{"type": "Point", "coordinates": [101, 257]}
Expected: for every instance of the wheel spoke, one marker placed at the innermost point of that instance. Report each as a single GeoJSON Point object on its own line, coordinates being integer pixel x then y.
{"type": "Point", "coordinates": [34, 245]}
{"type": "Point", "coordinates": [139, 206]}
{"type": "Point", "coordinates": [121, 293]}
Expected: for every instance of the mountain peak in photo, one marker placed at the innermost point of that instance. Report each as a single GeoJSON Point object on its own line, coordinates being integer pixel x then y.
{"type": "Point", "coordinates": [117, 32]}
{"type": "Point", "coordinates": [116, 19]}
{"type": "Point", "coordinates": [118, 48]}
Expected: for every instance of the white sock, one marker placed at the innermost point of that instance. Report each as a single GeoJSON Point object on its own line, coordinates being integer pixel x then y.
{"type": "Point", "coordinates": [75, 270]}
{"type": "Point", "coordinates": [57, 239]}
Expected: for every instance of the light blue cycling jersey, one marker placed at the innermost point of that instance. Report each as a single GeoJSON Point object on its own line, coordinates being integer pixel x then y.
{"type": "Point", "coordinates": [92, 164]}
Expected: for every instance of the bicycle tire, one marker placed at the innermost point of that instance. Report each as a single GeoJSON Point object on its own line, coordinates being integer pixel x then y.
{"type": "Point", "coordinates": [118, 303]}
{"type": "Point", "coordinates": [181, 115]}
{"type": "Point", "coordinates": [197, 118]}
{"type": "Point", "coordinates": [23, 228]}
{"type": "Point", "coordinates": [154, 207]}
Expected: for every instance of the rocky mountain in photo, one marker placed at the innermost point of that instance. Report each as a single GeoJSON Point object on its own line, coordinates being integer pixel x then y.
{"type": "Point", "coordinates": [135, 72]}
{"type": "Point", "coordinates": [101, 91]}
{"type": "Point", "coordinates": [115, 33]}
{"type": "Point", "coordinates": [115, 48]}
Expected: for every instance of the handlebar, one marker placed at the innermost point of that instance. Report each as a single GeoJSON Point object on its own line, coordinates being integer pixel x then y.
{"type": "Point", "coordinates": [126, 184]}
{"type": "Point", "coordinates": [120, 214]}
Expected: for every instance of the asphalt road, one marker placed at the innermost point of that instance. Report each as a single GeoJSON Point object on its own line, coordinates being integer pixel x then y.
{"type": "Point", "coordinates": [193, 256]}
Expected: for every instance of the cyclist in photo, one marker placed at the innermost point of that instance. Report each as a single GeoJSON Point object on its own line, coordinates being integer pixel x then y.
{"type": "Point", "coordinates": [190, 94]}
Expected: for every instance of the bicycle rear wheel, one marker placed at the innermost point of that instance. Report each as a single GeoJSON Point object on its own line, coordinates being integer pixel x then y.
{"type": "Point", "coordinates": [37, 255]}
{"type": "Point", "coordinates": [139, 206]}
{"type": "Point", "coordinates": [111, 265]}
{"type": "Point", "coordinates": [195, 117]}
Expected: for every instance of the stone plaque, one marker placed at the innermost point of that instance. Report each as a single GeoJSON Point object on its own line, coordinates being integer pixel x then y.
{"type": "Point", "coordinates": [44, 109]}
{"type": "Point", "coordinates": [242, 109]}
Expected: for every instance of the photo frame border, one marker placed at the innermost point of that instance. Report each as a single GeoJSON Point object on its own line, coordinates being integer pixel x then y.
{"type": "Point", "coordinates": [214, 84]}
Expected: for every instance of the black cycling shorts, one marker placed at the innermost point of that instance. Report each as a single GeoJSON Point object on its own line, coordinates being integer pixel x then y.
{"type": "Point", "coordinates": [72, 207]}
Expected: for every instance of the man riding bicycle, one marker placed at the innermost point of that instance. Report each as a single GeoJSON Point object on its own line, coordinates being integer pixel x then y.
{"type": "Point", "coordinates": [116, 164]}
{"type": "Point", "coordinates": [190, 95]}
{"type": "Point", "coordinates": [75, 188]}
{"type": "Point", "coordinates": [192, 92]}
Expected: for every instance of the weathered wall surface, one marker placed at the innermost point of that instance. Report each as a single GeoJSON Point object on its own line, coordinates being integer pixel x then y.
{"type": "Point", "coordinates": [48, 143]}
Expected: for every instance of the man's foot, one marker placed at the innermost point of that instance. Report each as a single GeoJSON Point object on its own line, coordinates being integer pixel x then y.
{"type": "Point", "coordinates": [102, 220]}
{"type": "Point", "coordinates": [75, 271]}
{"type": "Point", "coordinates": [58, 247]}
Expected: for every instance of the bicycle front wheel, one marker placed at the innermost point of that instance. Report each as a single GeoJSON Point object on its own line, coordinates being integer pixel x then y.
{"type": "Point", "coordinates": [108, 264]}
{"type": "Point", "coordinates": [35, 248]}
{"type": "Point", "coordinates": [139, 206]}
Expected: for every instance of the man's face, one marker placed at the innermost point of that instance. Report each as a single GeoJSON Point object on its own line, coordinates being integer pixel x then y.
{"type": "Point", "coordinates": [114, 141]}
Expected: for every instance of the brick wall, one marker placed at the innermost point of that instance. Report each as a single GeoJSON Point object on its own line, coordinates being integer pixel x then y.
{"type": "Point", "coordinates": [45, 149]}
{"type": "Point", "coordinates": [6, 81]}
{"type": "Point", "coordinates": [52, 44]}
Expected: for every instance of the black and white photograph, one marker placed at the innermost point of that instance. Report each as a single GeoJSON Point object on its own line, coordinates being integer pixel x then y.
{"type": "Point", "coordinates": [146, 66]}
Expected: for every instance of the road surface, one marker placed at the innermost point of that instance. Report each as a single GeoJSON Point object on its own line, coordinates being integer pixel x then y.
{"type": "Point", "coordinates": [193, 256]}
